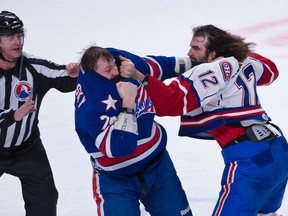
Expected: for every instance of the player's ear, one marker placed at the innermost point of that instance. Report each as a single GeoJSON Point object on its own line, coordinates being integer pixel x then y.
{"type": "Point", "coordinates": [211, 56]}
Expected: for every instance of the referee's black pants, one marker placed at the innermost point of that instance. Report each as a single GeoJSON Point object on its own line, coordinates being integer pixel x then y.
{"type": "Point", "coordinates": [30, 164]}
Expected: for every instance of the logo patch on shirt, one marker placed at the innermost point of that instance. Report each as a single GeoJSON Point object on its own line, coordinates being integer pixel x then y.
{"type": "Point", "coordinates": [144, 106]}
{"type": "Point", "coordinates": [22, 90]}
{"type": "Point", "coordinates": [226, 69]}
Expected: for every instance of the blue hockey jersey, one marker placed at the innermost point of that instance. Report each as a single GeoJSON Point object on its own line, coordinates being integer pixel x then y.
{"type": "Point", "coordinates": [97, 105]}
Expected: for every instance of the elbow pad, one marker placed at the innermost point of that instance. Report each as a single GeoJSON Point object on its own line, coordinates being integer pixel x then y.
{"type": "Point", "coordinates": [182, 64]}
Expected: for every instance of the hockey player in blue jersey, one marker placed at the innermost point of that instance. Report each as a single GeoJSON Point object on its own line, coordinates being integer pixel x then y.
{"type": "Point", "coordinates": [126, 145]}
{"type": "Point", "coordinates": [218, 100]}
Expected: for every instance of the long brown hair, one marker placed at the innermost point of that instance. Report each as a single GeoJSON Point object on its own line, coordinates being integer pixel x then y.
{"type": "Point", "coordinates": [223, 43]}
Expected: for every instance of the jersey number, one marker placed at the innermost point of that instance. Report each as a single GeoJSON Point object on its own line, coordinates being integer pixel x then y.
{"type": "Point", "coordinates": [208, 78]}
{"type": "Point", "coordinates": [247, 82]}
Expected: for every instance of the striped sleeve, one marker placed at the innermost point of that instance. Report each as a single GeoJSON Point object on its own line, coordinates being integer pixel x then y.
{"type": "Point", "coordinates": [6, 118]}
{"type": "Point", "coordinates": [177, 98]}
{"type": "Point", "coordinates": [269, 73]}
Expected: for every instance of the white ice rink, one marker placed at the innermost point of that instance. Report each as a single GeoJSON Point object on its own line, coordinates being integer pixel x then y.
{"type": "Point", "coordinates": [58, 30]}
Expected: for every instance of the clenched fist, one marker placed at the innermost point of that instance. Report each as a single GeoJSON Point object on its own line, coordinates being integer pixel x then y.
{"type": "Point", "coordinates": [127, 92]}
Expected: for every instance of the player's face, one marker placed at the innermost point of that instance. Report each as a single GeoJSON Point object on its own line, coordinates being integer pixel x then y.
{"type": "Point", "coordinates": [11, 46]}
{"type": "Point", "coordinates": [197, 51]}
{"type": "Point", "coordinates": [107, 69]}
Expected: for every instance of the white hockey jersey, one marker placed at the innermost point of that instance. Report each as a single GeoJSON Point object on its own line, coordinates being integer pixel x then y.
{"type": "Point", "coordinates": [214, 94]}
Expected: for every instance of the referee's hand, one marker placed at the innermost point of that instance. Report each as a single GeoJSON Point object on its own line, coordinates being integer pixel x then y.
{"type": "Point", "coordinates": [25, 109]}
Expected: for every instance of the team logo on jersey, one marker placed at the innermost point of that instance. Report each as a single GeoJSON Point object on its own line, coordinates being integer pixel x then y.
{"type": "Point", "coordinates": [22, 90]}
{"type": "Point", "coordinates": [144, 106]}
{"type": "Point", "coordinates": [226, 69]}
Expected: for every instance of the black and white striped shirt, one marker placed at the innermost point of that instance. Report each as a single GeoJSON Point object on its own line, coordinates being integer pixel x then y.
{"type": "Point", "coordinates": [37, 77]}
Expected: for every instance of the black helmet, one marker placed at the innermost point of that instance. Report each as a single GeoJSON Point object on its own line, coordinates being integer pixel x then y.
{"type": "Point", "coordinates": [10, 23]}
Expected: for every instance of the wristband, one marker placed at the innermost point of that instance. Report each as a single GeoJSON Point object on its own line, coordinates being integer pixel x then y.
{"type": "Point", "coordinates": [127, 110]}
{"type": "Point", "coordinates": [145, 80]}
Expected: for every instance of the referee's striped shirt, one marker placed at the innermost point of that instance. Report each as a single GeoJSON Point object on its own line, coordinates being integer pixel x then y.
{"type": "Point", "coordinates": [37, 76]}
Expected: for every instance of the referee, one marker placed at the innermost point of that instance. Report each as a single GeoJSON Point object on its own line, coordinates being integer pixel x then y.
{"type": "Point", "coordinates": [24, 80]}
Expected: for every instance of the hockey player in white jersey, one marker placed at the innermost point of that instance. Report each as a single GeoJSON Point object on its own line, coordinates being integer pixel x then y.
{"type": "Point", "coordinates": [218, 100]}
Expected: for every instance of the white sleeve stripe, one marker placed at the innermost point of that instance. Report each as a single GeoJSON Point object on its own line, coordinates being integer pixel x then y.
{"type": "Point", "coordinates": [185, 94]}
